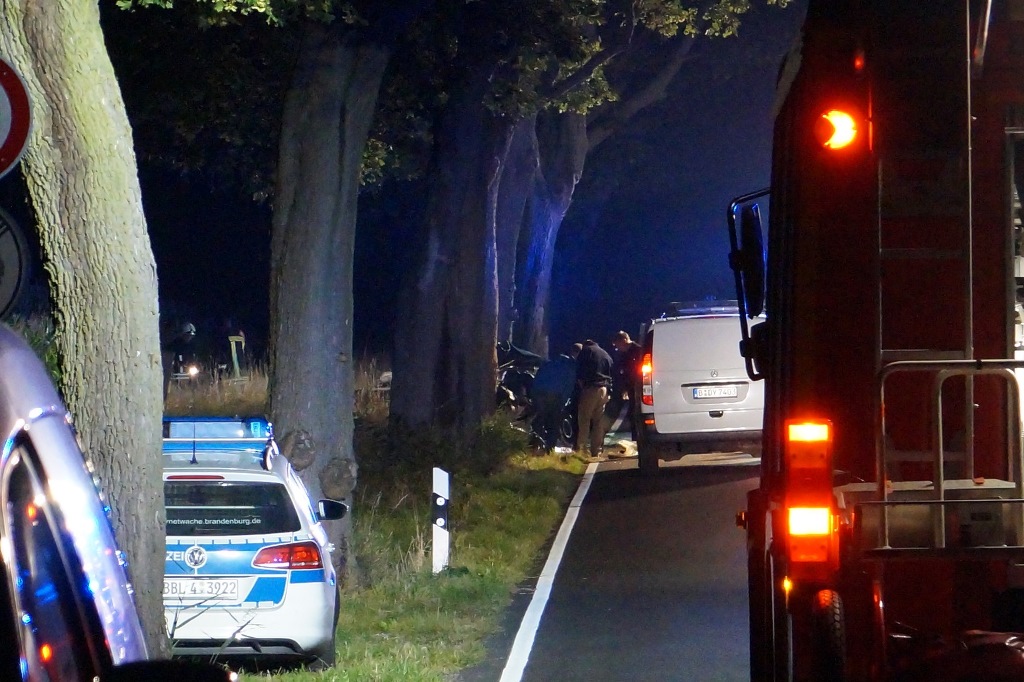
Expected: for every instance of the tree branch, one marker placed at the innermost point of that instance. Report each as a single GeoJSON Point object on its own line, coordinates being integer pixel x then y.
{"type": "Point", "coordinates": [612, 116]}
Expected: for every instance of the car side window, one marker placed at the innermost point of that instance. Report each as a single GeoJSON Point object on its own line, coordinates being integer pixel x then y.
{"type": "Point", "coordinates": [49, 611]}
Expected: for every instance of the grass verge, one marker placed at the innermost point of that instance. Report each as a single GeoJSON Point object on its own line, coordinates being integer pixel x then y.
{"type": "Point", "coordinates": [402, 622]}
{"type": "Point", "coordinates": [398, 620]}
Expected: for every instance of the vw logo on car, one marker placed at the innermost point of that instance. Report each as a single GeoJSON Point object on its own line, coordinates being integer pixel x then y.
{"type": "Point", "coordinates": [195, 557]}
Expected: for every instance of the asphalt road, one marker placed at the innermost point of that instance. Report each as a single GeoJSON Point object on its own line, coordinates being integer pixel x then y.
{"type": "Point", "coordinates": [651, 585]}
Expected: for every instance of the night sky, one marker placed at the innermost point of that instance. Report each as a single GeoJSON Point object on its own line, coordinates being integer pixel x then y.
{"type": "Point", "coordinates": [660, 234]}
{"type": "Point", "coordinates": [646, 227]}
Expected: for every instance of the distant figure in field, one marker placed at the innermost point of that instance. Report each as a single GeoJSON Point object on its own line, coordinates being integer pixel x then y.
{"type": "Point", "coordinates": [175, 349]}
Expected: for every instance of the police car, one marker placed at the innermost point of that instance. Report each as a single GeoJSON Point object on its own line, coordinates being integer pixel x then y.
{"type": "Point", "coordinates": [66, 606]}
{"type": "Point", "coordinates": [248, 569]}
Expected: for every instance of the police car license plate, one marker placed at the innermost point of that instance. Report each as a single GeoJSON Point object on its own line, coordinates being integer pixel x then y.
{"type": "Point", "coordinates": [200, 588]}
{"type": "Point", "coordinates": [715, 392]}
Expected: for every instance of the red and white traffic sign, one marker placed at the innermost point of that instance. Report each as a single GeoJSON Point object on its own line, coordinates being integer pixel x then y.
{"type": "Point", "coordinates": [15, 117]}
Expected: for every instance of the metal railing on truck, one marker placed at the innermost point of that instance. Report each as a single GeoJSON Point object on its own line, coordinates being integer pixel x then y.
{"type": "Point", "coordinates": [946, 517]}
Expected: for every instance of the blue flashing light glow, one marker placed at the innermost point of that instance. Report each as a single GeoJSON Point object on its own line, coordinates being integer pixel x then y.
{"type": "Point", "coordinates": [26, 619]}
{"type": "Point", "coordinates": [46, 593]}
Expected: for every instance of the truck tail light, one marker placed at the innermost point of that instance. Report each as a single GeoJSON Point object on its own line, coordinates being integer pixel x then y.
{"type": "Point", "coordinates": [297, 555]}
{"type": "Point", "coordinates": [836, 129]}
{"type": "Point", "coordinates": [647, 387]}
{"type": "Point", "coordinates": [811, 520]}
{"type": "Point", "coordinates": [808, 521]}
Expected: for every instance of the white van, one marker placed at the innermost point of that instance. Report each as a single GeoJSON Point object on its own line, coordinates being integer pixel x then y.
{"type": "Point", "coordinates": [695, 393]}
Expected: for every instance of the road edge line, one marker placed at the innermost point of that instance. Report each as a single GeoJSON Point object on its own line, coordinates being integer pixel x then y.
{"type": "Point", "coordinates": [523, 643]}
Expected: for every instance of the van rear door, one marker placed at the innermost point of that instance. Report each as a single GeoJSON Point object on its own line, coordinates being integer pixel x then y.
{"type": "Point", "coordinates": [700, 383]}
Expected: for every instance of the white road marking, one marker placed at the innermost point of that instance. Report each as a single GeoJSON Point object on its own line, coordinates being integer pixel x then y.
{"type": "Point", "coordinates": [523, 643]}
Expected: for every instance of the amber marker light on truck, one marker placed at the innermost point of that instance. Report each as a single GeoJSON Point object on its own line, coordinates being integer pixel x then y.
{"type": "Point", "coordinates": [836, 129]}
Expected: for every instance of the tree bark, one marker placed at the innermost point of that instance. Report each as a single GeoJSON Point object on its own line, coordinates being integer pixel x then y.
{"type": "Point", "coordinates": [562, 141]}
{"type": "Point", "coordinates": [517, 178]}
{"type": "Point", "coordinates": [444, 359]}
{"type": "Point", "coordinates": [327, 116]}
{"type": "Point", "coordinates": [81, 175]}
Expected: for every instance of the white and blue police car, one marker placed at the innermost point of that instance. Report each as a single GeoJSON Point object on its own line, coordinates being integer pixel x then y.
{"type": "Point", "coordinates": [248, 570]}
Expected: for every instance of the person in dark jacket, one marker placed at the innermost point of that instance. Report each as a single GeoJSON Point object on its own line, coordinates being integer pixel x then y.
{"type": "Point", "coordinates": [594, 378]}
{"type": "Point", "coordinates": [626, 376]}
{"type": "Point", "coordinates": [552, 388]}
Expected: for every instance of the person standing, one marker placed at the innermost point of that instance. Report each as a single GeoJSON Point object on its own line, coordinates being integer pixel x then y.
{"type": "Point", "coordinates": [594, 378]}
{"type": "Point", "coordinates": [626, 375]}
{"type": "Point", "coordinates": [173, 350]}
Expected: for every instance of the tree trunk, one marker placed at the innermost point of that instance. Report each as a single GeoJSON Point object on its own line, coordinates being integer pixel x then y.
{"type": "Point", "coordinates": [81, 174]}
{"type": "Point", "coordinates": [327, 115]}
{"type": "Point", "coordinates": [517, 178]}
{"type": "Point", "coordinates": [445, 361]}
{"type": "Point", "coordinates": [562, 141]}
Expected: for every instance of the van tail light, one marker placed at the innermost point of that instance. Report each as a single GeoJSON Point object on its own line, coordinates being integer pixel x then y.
{"type": "Point", "coordinates": [647, 388]}
{"type": "Point", "coordinates": [298, 555]}
{"type": "Point", "coordinates": [811, 519]}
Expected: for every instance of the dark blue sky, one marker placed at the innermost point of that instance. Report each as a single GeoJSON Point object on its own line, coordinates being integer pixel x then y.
{"type": "Point", "coordinates": [660, 235]}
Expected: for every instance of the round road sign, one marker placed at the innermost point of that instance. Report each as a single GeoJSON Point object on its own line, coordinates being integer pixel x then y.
{"type": "Point", "coordinates": [15, 117]}
{"type": "Point", "coordinates": [14, 262]}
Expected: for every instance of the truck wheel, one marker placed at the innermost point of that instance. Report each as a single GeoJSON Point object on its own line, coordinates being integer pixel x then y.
{"type": "Point", "coordinates": [828, 621]}
{"type": "Point", "coordinates": [759, 591]}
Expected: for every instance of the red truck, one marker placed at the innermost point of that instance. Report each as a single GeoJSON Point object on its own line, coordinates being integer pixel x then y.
{"type": "Point", "coordinates": [886, 537]}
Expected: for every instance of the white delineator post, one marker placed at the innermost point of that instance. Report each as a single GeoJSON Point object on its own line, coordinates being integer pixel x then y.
{"type": "Point", "coordinates": [439, 499]}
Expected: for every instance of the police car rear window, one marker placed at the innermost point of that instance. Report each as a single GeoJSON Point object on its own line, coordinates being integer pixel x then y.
{"type": "Point", "coordinates": [228, 508]}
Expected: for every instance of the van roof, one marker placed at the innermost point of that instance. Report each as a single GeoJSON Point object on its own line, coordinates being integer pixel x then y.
{"type": "Point", "coordinates": [695, 308]}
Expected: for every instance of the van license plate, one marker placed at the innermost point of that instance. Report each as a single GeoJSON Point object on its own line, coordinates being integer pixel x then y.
{"type": "Point", "coordinates": [200, 588]}
{"type": "Point", "coordinates": [715, 392]}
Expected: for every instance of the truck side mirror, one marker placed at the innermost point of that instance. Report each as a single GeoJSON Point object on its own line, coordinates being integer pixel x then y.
{"type": "Point", "coordinates": [752, 259]}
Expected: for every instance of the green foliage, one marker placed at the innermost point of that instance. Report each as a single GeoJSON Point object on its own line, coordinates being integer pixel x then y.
{"type": "Point", "coordinates": [539, 54]}
{"type": "Point", "coordinates": [402, 622]}
{"type": "Point", "coordinates": [388, 450]}
{"type": "Point", "coordinates": [276, 12]}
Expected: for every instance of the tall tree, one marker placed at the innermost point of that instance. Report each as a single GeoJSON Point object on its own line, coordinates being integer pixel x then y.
{"type": "Point", "coordinates": [641, 74]}
{"type": "Point", "coordinates": [341, 52]}
{"type": "Point", "coordinates": [81, 175]}
{"type": "Point", "coordinates": [505, 64]}
{"type": "Point", "coordinates": [327, 116]}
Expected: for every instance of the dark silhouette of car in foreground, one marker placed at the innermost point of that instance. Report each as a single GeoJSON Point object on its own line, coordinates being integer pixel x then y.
{"type": "Point", "coordinates": [66, 607]}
